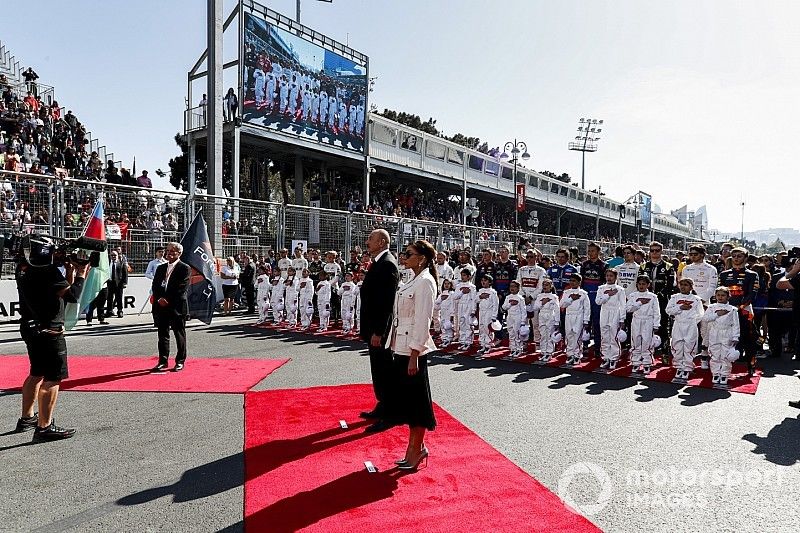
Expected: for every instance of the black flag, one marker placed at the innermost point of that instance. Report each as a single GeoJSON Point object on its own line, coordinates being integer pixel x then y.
{"type": "Point", "coordinates": [198, 255]}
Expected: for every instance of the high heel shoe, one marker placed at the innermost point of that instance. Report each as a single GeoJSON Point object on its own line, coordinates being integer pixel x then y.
{"type": "Point", "coordinates": [413, 466]}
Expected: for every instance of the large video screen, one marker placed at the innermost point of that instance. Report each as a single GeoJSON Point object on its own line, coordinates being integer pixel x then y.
{"type": "Point", "coordinates": [297, 87]}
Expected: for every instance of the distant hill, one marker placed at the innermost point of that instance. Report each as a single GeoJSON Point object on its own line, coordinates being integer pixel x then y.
{"type": "Point", "coordinates": [789, 236]}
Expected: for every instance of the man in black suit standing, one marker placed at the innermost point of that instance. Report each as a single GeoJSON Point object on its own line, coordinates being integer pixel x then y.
{"type": "Point", "coordinates": [170, 306]}
{"type": "Point", "coordinates": [117, 281]}
{"type": "Point", "coordinates": [248, 282]}
{"type": "Point", "coordinates": [377, 307]}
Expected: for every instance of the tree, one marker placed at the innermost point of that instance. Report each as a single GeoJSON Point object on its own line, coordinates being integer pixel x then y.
{"type": "Point", "coordinates": [463, 140]}
{"type": "Point", "coordinates": [412, 121]}
{"type": "Point", "coordinates": [179, 169]}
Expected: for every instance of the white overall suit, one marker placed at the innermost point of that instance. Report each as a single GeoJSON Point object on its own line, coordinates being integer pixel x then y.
{"type": "Point", "coordinates": [290, 297]}
{"type": "Point", "coordinates": [578, 315]}
{"type": "Point", "coordinates": [446, 305]}
{"type": "Point", "coordinates": [357, 318]}
{"type": "Point", "coordinates": [645, 321]}
{"type": "Point", "coordinates": [306, 301]}
{"type": "Point", "coordinates": [465, 310]}
{"type": "Point", "coordinates": [684, 329]}
{"type": "Point", "coordinates": [488, 304]}
{"type": "Point", "coordinates": [516, 317]}
{"type": "Point", "coordinates": [276, 300]}
{"type": "Point", "coordinates": [612, 314]}
{"type": "Point", "coordinates": [549, 313]}
{"type": "Point", "coordinates": [262, 297]}
{"type": "Point", "coordinates": [530, 281]}
{"type": "Point", "coordinates": [347, 291]}
{"type": "Point", "coordinates": [324, 304]}
{"type": "Point", "coordinates": [723, 333]}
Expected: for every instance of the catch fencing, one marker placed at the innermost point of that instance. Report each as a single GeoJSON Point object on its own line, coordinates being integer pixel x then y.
{"type": "Point", "coordinates": [139, 220]}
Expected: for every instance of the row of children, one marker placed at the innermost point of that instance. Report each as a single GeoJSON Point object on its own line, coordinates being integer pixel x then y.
{"type": "Point", "coordinates": [461, 307]}
{"type": "Point", "coordinates": [285, 298]}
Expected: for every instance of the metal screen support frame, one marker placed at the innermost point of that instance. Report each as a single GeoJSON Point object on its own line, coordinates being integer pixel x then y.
{"type": "Point", "coordinates": [348, 235]}
{"type": "Point", "coordinates": [281, 230]}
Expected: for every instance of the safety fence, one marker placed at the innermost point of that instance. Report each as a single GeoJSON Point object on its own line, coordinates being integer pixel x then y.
{"type": "Point", "coordinates": [139, 220]}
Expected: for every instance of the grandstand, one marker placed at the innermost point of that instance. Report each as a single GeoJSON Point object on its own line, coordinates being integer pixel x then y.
{"type": "Point", "coordinates": [410, 182]}
{"type": "Point", "coordinates": [47, 138]}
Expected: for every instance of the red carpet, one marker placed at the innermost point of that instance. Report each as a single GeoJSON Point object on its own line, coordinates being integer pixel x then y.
{"type": "Point", "coordinates": [132, 374]}
{"type": "Point", "coordinates": [304, 472]}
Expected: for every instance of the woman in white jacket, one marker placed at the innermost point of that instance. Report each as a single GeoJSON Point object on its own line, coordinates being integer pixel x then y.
{"type": "Point", "coordinates": [410, 340]}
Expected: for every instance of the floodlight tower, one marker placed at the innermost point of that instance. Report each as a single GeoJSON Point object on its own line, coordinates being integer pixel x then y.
{"type": "Point", "coordinates": [297, 16]}
{"type": "Point", "coordinates": [586, 141]}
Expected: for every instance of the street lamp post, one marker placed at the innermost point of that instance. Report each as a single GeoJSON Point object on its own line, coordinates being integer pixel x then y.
{"type": "Point", "coordinates": [516, 147]}
{"type": "Point", "coordinates": [600, 195]}
{"type": "Point", "coordinates": [586, 141]}
{"type": "Point", "coordinates": [633, 201]}
{"type": "Point", "coordinates": [742, 236]}
{"type": "Point", "coordinates": [297, 13]}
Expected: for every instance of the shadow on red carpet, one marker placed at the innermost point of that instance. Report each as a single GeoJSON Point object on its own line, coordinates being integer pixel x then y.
{"type": "Point", "coordinates": [304, 472]}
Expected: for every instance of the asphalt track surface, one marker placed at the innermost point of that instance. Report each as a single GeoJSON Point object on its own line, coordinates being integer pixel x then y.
{"type": "Point", "coordinates": [650, 456]}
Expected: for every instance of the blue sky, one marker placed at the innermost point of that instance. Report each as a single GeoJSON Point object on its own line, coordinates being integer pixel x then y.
{"type": "Point", "coordinates": [698, 97]}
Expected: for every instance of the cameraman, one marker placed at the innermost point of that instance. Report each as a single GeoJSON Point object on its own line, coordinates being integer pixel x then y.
{"type": "Point", "coordinates": [43, 291]}
{"type": "Point", "coordinates": [791, 281]}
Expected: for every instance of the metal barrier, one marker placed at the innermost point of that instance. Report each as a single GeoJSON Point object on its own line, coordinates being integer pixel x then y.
{"type": "Point", "coordinates": [148, 218]}
{"type": "Point", "coordinates": [245, 225]}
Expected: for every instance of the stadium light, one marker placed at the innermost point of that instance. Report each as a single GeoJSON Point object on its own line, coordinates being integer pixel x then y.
{"type": "Point", "coordinates": [516, 147]}
{"type": "Point", "coordinates": [586, 141]}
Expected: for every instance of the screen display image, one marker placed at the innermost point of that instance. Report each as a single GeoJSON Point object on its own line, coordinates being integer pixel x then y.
{"type": "Point", "coordinates": [646, 213]}
{"type": "Point", "coordinates": [297, 87]}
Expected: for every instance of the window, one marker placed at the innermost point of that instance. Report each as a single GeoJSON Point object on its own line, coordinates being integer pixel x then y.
{"type": "Point", "coordinates": [544, 185]}
{"type": "Point", "coordinates": [476, 163]}
{"type": "Point", "coordinates": [455, 156]}
{"type": "Point", "coordinates": [572, 193]}
{"type": "Point", "coordinates": [533, 181]}
{"type": "Point", "coordinates": [384, 134]}
{"type": "Point", "coordinates": [580, 196]}
{"type": "Point", "coordinates": [594, 200]}
{"type": "Point", "coordinates": [508, 173]}
{"type": "Point", "coordinates": [562, 191]}
{"type": "Point", "coordinates": [435, 150]}
{"type": "Point", "coordinates": [589, 199]}
{"type": "Point", "coordinates": [409, 141]}
{"type": "Point", "coordinates": [554, 188]}
{"type": "Point", "coordinates": [492, 168]}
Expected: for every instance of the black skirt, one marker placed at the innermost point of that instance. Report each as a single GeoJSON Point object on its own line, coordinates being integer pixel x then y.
{"type": "Point", "coordinates": [229, 291]}
{"type": "Point", "coordinates": [412, 394]}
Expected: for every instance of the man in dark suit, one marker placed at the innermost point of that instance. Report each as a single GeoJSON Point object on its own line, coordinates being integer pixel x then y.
{"type": "Point", "coordinates": [170, 306]}
{"type": "Point", "coordinates": [117, 281]}
{"type": "Point", "coordinates": [247, 280]}
{"type": "Point", "coordinates": [377, 308]}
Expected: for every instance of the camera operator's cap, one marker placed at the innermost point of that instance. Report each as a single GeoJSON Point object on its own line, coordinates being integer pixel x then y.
{"type": "Point", "coordinates": [38, 250]}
